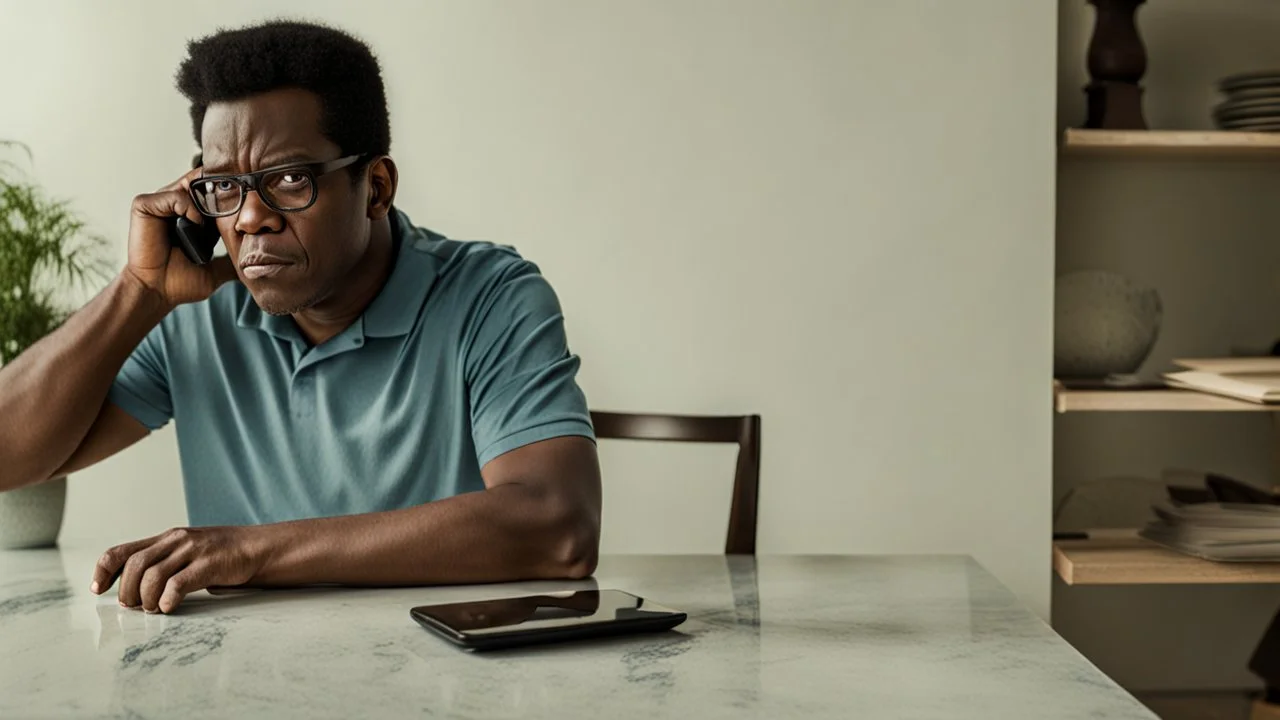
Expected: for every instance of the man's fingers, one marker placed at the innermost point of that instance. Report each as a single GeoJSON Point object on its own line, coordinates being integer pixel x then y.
{"type": "Point", "coordinates": [190, 579]}
{"type": "Point", "coordinates": [158, 573]}
{"type": "Point", "coordinates": [156, 578]}
{"type": "Point", "coordinates": [112, 562]}
{"type": "Point", "coordinates": [167, 205]}
{"type": "Point", "coordinates": [135, 567]}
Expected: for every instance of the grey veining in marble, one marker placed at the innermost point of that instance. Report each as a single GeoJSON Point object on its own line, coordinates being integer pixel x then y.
{"type": "Point", "coordinates": [776, 637]}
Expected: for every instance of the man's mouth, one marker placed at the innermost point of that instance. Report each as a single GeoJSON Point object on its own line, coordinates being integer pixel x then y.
{"type": "Point", "coordinates": [259, 265]}
{"type": "Point", "coordinates": [262, 270]}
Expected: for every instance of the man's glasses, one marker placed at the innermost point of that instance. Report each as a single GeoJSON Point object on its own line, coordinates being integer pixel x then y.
{"type": "Point", "coordinates": [286, 188]}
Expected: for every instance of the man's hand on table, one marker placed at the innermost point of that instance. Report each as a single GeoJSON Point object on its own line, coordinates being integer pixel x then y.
{"type": "Point", "coordinates": [158, 572]}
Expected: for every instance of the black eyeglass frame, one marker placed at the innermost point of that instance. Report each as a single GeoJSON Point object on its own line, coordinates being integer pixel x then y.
{"type": "Point", "coordinates": [250, 182]}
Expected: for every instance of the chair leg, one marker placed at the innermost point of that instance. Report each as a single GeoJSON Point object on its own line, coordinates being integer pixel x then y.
{"type": "Point", "coordinates": [1265, 663]}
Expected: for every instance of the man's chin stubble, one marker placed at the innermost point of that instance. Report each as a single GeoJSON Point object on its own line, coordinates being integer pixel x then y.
{"type": "Point", "coordinates": [281, 310]}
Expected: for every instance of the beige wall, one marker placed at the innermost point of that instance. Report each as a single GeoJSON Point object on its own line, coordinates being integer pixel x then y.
{"type": "Point", "coordinates": [837, 214]}
{"type": "Point", "coordinates": [1203, 234]}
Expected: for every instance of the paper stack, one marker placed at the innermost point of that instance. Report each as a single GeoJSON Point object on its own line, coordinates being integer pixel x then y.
{"type": "Point", "coordinates": [1253, 379]}
{"type": "Point", "coordinates": [1222, 532]}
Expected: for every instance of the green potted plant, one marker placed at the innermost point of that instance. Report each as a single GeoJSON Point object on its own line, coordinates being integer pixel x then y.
{"type": "Point", "coordinates": [44, 251]}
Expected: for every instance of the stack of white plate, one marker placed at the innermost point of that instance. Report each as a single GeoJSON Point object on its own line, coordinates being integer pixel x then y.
{"type": "Point", "coordinates": [1252, 102]}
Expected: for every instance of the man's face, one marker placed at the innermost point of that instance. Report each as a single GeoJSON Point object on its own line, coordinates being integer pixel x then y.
{"type": "Point", "coordinates": [307, 252]}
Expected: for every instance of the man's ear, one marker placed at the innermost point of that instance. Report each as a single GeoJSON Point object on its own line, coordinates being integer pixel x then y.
{"type": "Point", "coordinates": [383, 180]}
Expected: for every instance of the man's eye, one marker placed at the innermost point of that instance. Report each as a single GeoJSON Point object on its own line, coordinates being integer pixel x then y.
{"type": "Point", "coordinates": [290, 178]}
{"type": "Point", "coordinates": [215, 186]}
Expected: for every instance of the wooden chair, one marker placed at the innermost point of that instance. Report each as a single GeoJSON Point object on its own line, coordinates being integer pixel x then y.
{"type": "Point", "coordinates": [743, 430]}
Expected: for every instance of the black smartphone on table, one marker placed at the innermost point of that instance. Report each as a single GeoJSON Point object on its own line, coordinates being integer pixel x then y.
{"type": "Point", "coordinates": [537, 619]}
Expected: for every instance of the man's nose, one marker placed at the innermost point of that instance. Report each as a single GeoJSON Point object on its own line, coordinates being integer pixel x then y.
{"type": "Point", "coordinates": [256, 217]}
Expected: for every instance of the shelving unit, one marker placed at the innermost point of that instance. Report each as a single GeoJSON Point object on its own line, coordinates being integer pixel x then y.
{"type": "Point", "coordinates": [1153, 400]}
{"type": "Point", "coordinates": [1116, 137]}
{"type": "Point", "coordinates": [1171, 144]}
{"type": "Point", "coordinates": [1123, 558]}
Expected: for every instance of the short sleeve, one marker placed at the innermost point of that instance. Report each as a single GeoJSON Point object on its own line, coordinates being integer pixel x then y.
{"type": "Point", "coordinates": [521, 377]}
{"type": "Point", "coordinates": [141, 388]}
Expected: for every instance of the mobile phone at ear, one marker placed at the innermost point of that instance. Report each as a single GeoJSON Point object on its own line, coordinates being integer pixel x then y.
{"type": "Point", "coordinates": [197, 241]}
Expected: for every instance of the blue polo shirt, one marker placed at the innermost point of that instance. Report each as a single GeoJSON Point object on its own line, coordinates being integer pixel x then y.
{"type": "Point", "coordinates": [460, 358]}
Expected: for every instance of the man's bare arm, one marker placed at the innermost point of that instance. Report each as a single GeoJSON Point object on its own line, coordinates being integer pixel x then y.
{"type": "Point", "coordinates": [52, 394]}
{"type": "Point", "coordinates": [539, 517]}
{"type": "Point", "coordinates": [113, 431]}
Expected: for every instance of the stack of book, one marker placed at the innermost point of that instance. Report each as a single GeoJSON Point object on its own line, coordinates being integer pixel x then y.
{"type": "Point", "coordinates": [1227, 521]}
{"type": "Point", "coordinates": [1222, 532]}
{"type": "Point", "coordinates": [1253, 379]}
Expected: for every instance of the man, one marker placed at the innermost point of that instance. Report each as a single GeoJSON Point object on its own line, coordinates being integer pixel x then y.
{"type": "Point", "coordinates": [357, 400]}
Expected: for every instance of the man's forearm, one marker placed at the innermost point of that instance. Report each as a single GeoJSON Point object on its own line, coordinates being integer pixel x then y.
{"type": "Point", "coordinates": [509, 532]}
{"type": "Point", "coordinates": [539, 518]}
{"type": "Point", "coordinates": [51, 394]}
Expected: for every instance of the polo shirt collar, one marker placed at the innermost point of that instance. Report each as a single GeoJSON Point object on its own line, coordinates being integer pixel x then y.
{"type": "Point", "coordinates": [396, 307]}
{"type": "Point", "coordinates": [280, 327]}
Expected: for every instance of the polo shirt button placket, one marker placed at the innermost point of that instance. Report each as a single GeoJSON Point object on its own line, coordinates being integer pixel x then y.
{"type": "Point", "coordinates": [304, 398]}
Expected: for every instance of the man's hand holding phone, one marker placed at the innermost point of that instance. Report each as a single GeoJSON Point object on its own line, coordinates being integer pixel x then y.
{"type": "Point", "coordinates": [153, 259]}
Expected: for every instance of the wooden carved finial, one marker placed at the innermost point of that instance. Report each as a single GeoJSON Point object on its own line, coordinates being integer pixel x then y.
{"type": "Point", "coordinates": [1117, 61]}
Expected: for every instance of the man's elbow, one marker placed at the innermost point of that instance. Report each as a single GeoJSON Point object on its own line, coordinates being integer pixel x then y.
{"type": "Point", "coordinates": [579, 556]}
{"type": "Point", "coordinates": [575, 550]}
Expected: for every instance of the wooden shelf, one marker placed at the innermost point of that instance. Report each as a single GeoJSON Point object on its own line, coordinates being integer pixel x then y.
{"type": "Point", "coordinates": [1171, 143]}
{"type": "Point", "coordinates": [1125, 559]}
{"type": "Point", "coordinates": [1158, 400]}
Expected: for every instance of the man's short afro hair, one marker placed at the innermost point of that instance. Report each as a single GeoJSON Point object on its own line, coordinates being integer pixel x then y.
{"type": "Point", "coordinates": [233, 64]}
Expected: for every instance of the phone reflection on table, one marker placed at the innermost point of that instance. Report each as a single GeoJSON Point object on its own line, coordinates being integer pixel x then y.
{"type": "Point", "coordinates": [549, 610]}
{"type": "Point", "coordinates": [506, 612]}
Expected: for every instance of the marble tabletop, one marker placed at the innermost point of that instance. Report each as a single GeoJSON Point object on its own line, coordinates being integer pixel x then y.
{"type": "Point", "coordinates": [770, 637]}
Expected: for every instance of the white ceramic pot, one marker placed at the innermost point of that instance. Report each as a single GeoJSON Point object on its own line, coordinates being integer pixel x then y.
{"type": "Point", "coordinates": [31, 517]}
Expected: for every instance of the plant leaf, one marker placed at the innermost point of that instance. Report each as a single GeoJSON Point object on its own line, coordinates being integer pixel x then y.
{"type": "Point", "coordinates": [44, 251]}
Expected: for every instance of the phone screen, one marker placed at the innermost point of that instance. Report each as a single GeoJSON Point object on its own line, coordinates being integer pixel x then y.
{"type": "Point", "coordinates": [542, 612]}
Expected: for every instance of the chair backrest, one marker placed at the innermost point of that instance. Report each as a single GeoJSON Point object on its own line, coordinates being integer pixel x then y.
{"type": "Point", "coordinates": [743, 430]}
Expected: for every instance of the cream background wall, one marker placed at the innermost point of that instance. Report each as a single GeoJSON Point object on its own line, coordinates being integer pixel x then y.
{"type": "Point", "coordinates": [836, 214]}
